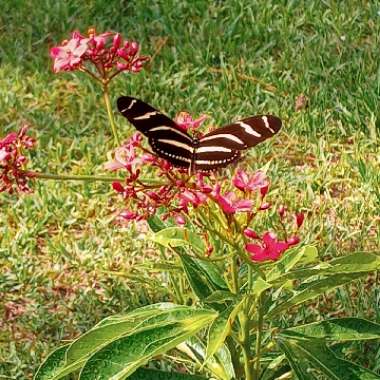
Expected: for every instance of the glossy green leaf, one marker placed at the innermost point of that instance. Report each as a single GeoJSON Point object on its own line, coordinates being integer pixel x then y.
{"type": "Point", "coordinates": [203, 277]}
{"type": "Point", "coordinates": [313, 290]}
{"type": "Point", "coordinates": [172, 237]}
{"type": "Point", "coordinates": [52, 367]}
{"type": "Point", "coordinates": [113, 328]}
{"type": "Point", "coordinates": [299, 364]}
{"type": "Point", "coordinates": [306, 254]}
{"type": "Point", "coordinates": [276, 368]}
{"type": "Point", "coordinates": [220, 296]}
{"type": "Point", "coordinates": [220, 364]}
{"type": "Point", "coordinates": [343, 329]}
{"type": "Point", "coordinates": [123, 356]}
{"type": "Point", "coordinates": [155, 223]}
{"type": "Point", "coordinates": [199, 283]}
{"type": "Point", "coordinates": [152, 374]}
{"type": "Point", "coordinates": [221, 327]}
{"type": "Point", "coordinates": [259, 285]}
{"type": "Point", "coordinates": [359, 262]}
{"type": "Point", "coordinates": [322, 359]}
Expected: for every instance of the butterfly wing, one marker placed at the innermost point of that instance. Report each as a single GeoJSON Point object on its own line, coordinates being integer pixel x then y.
{"type": "Point", "coordinates": [165, 137]}
{"type": "Point", "coordinates": [223, 146]}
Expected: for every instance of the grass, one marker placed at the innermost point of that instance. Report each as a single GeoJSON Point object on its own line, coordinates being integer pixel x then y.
{"type": "Point", "coordinates": [63, 263]}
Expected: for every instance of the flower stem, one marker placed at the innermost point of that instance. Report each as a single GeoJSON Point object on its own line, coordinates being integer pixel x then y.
{"type": "Point", "coordinates": [258, 336]}
{"type": "Point", "coordinates": [110, 114]}
{"type": "Point", "coordinates": [234, 275]}
{"type": "Point", "coordinates": [246, 346]}
{"type": "Point", "coordinates": [63, 177]}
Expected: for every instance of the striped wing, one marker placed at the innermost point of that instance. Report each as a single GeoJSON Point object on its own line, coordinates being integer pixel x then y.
{"type": "Point", "coordinates": [223, 146]}
{"type": "Point", "coordinates": [165, 137]}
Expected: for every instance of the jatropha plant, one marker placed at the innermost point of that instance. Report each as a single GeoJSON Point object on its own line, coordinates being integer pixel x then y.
{"type": "Point", "coordinates": [235, 283]}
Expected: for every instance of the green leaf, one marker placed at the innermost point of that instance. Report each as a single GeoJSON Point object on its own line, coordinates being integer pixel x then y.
{"type": "Point", "coordinates": [123, 356]}
{"type": "Point", "coordinates": [259, 285]}
{"type": "Point", "coordinates": [306, 254]}
{"type": "Point", "coordinates": [204, 277]}
{"type": "Point", "coordinates": [313, 290]}
{"type": "Point", "coordinates": [53, 364]}
{"type": "Point", "coordinates": [220, 364]}
{"type": "Point", "coordinates": [360, 262]}
{"type": "Point", "coordinates": [147, 318]}
{"type": "Point", "coordinates": [221, 327]}
{"type": "Point", "coordinates": [321, 358]}
{"type": "Point", "coordinates": [199, 283]}
{"type": "Point", "coordinates": [299, 365]}
{"type": "Point", "coordinates": [220, 296]}
{"type": "Point", "coordinates": [152, 374]}
{"type": "Point", "coordinates": [172, 237]}
{"type": "Point", "coordinates": [155, 223]}
{"type": "Point", "coordinates": [343, 329]}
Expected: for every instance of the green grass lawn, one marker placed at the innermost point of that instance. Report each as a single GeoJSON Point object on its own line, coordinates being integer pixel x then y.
{"type": "Point", "coordinates": [64, 264]}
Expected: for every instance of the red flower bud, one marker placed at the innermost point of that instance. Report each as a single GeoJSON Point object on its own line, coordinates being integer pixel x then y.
{"type": "Point", "coordinates": [299, 219]}
{"type": "Point", "coordinates": [117, 186]}
{"type": "Point", "coordinates": [293, 240]}
{"type": "Point", "coordinates": [249, 233]}
{"type": "Point", "coordinates": [282, 211]}
{"type": "Point", "coordinates": [265, 206]}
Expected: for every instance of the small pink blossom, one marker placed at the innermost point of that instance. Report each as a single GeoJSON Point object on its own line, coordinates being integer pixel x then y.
{"type": "Point", "coordinates": [270, 248]}
{"type": "Point", "coordinates": [69, 56]}
{"type": "Point", "coordinates": [230, 203]}
{"type": "Point", "coordinates": [185, 121]}
{"type": "Point", "coordinates": [104, 55]}
{"type": "Point", "coordinates": [193, 198]}
{"type": "Point", "coordinates": [244, 182]}
{"type": "Point", "coordinates": [12, 161]}
{"type": "Point", "coordinates": [124, 158]}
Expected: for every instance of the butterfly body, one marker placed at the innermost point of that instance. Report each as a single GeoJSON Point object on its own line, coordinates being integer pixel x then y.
{"type": "Point", "coordinates": [216, 149]}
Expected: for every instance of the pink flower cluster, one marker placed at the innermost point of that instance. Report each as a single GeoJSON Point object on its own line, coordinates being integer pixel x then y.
{"type": "Point", "coordinates": [12, 161]}
{"type": "Point", "coordinates": [179, 193]}
{"type": "Point", "coordinates": [107, 52]}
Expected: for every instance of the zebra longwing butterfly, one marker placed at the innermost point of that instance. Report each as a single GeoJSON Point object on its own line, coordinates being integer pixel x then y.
{"type": "Point", "coordinates": [214, 150]}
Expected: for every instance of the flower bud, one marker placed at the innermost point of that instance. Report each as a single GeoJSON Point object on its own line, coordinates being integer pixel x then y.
{"type": "Point", "coordinates": [249, 233]}
{"type": "Point", "coordinates": [116, 41]}
{"type": "Point", "coordinates": [180, 220]}
{"type": "Point", "coordinates": [299, 219]}
{"type": "Point", "coordinates": [264, 206]}
{"type": "Point", "coordinates": [293, 240]}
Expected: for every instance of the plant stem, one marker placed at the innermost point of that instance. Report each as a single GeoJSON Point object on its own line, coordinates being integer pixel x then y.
{"type": "Point", "coordinates": [246, 346]}
{"type": "Point", "coordinates": [110, 114]}
{"type": "Point", "coordinates": [258, 336]}
{"type": "Point", "coordinates": [63, 177]}
{"type": "Point", "coordinates": [234, 275]}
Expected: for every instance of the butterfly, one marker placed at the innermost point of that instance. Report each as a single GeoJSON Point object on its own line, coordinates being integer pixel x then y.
{"type": "Point", "coordinates": [216, 149]}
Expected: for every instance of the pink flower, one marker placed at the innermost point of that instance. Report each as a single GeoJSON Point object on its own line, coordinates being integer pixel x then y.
{"type": "Point", "coordinates": [244, 182]}
{"type": "Point", "coordinates": [185, 121]}
{"type": "Point", "coordinates": [12, 161]}
{"type": "Point", "coordinates": [124, 158]}
{"type": "Point", "coordinates": [194, 198]}
{"type": "Point", "coordinates": [103, 51]}
{"type": "Point", "coordinates": [69, 56]}
{"type": "Point", "coordinates": [270, 248]}
{"type": "Point", "coordinates": [230, 203]}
